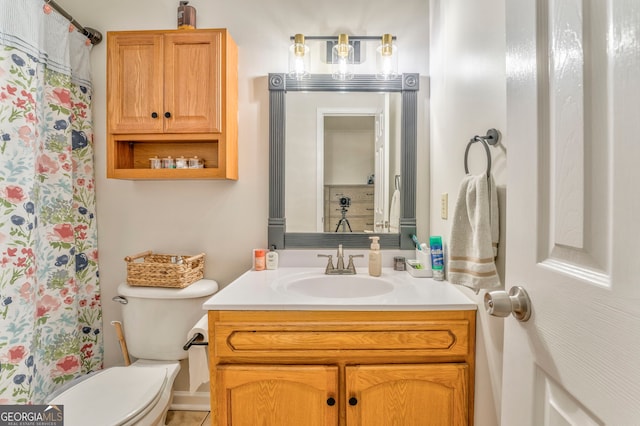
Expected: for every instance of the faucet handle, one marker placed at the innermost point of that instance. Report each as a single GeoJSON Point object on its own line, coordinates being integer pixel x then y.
{"type": "Point", "coordinates": [330, 263]}
{"type": "Point", "coordinates": [351, 266]}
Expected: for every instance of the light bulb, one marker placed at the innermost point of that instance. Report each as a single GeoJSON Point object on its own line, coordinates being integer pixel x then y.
{"type": "Point", "coordinates": [387, 59]}
{"type": "Point", "coordinates": [298, 58]}
{"type": "Point", "coordinates": [342, 59]}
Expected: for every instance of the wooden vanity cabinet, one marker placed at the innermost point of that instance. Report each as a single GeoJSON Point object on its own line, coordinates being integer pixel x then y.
{"type": "Point", "coordinates": [278, 395]}
{"type": "Point", "coordinates": [171, 93]}
{"type": "Point", "coordinates": [412, 394]}
{"type": "Point", "coordinates": [342, 368]}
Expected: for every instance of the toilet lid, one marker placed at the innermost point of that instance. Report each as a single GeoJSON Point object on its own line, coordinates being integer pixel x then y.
{"type": "Point", "coordinates": [118, 394]}
{"type": "Point", "coordinates": [200, 288]}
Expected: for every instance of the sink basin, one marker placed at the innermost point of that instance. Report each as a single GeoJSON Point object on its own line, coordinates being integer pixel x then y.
{"type": "Point", "coordinates": [334, 286]}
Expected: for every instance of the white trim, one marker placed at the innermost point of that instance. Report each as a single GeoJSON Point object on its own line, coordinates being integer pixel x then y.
{"type": "Point", "coordinates": [186, 401]}
{"type": "Point", "coordinates": [321, 114]}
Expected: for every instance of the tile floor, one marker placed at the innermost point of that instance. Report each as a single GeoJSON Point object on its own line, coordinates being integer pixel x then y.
{"type": "Point", "coordinates": [188, 418]}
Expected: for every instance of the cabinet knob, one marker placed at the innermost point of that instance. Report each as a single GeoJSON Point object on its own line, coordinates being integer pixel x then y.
{"type": "Point", "coordinates": [167, 114]}
{"type": "Point", "coordinates": [353, 401]}
{"type": "Point", "coordinates": [331, 402]}
{"type": "Point", "coordinates": [154, 115]}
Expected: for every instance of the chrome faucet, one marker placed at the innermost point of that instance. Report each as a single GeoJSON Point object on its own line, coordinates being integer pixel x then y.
{"type": "Point", "coordinates": [340, 269]}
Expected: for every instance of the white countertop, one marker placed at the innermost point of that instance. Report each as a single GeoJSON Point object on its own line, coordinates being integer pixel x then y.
{"type": "Point", "coordinates": [262, 290]}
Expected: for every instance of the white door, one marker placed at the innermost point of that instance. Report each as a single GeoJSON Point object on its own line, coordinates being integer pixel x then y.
{"type": "Point", "coordinates": [573, 212]}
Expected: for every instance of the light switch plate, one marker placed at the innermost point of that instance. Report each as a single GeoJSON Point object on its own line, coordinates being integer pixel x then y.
{"type": "Point", "coordinates": [444, 206]}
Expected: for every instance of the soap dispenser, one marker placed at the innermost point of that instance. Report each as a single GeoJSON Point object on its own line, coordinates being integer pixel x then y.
{"type": "Point", "coordinates": [375, 258]}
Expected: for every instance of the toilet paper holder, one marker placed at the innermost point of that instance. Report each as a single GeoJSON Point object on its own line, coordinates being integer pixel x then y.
{"type": "Point", "coordinates": [196, 340]}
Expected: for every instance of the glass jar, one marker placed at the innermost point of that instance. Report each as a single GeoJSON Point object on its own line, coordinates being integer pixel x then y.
{"type": "Point", "coordinates": [168, 163]}
{"type": "Point", "coordinates": [181, 163]}
{"type": "Point", "coordinates": [154, 163]}
{"type": "Point", "coordinates": [196, 163]}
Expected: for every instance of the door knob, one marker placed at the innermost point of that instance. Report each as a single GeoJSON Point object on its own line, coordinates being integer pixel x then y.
{"type": "Point", "coordinates": [501, 304]}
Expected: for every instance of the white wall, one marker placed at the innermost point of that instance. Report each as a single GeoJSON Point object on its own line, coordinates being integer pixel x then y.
{"type": "Point", "coordinates": [468, 96]}
{"type": "Point", "coordinates": [349, 153]}
{"type": "Point", "coordinates": [224, 219]}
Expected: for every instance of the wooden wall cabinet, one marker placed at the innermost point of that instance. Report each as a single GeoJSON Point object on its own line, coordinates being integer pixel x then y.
{"type": "Point", "coordinates": [172, 93]}
{"type": "Point", "coordinates": [342, 368]}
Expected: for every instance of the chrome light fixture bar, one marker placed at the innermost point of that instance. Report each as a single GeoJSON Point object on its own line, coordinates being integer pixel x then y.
{"type": "Point", "coordinates": [342, 52]}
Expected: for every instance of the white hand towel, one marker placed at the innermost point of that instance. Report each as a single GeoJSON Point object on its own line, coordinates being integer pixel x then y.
{"type": "Point", "coordinates": [198, 362]}
{"type": "Point", "coordinates": [473, 245]}
{"type": "Point", "coordinates": [394, 213]}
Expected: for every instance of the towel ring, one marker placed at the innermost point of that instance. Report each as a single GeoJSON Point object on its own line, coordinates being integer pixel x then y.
{"type": "Point", "coordinates": [491, 138]}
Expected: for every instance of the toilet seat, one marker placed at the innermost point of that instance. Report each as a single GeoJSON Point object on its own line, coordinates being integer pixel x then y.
{"type": "Point", "coordinates": [117, 395]}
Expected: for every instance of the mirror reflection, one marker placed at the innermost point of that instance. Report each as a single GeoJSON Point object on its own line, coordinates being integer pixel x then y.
{"type": "Point", "coordinates": [346, 152]}
{"type": "Point", "coordinates": [355, 133]}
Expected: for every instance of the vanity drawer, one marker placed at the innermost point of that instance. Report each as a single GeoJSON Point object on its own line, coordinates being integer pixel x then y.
{"type": "Point", "coordinates": [355, 192]}
{"type": "Point", "coordinates": [324, 337]}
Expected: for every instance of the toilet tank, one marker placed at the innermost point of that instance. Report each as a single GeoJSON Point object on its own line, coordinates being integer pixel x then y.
{"type": "Point", "coordinates": [157, 320]}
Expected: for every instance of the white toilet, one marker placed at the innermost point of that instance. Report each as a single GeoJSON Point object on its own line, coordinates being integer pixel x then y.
{"type": "Point", "coordinates": [156, 323]}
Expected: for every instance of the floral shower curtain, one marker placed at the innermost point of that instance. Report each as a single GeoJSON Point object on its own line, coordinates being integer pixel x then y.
{"type": "Point", "coordinates": [50, 309]}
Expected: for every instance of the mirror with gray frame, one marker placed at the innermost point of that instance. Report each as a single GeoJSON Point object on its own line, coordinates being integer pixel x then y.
{"type": "Point", "coordinates": [326, 187]}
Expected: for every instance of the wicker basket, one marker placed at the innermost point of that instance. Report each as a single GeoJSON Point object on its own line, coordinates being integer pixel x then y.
{"type": "Point", "coordinates": [159, 270]}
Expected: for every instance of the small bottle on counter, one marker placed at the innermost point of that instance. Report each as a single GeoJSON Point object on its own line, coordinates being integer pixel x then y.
{"type": "Point", "coordinates": [437, 258]}
{"type": "Point", "coordinates": [399, 263]}
{"type": "Point", "coordinates": [272, 259]}
{"type": "Point", "coordinates": [259, 259]}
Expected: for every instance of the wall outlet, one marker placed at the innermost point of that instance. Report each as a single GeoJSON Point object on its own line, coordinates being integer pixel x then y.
{"type": "Point", "coordinates": [444, 206]}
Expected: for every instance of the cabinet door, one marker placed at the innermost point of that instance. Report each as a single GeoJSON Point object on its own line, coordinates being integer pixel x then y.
{"type": "Point", "coordinates": [134, 83]}
{"type": "Point", "coordinates": [277, 395]}
{"type": "Point", "coordinates": [407, 395]}
{"type": "Point", "coordinates": [193, 86]}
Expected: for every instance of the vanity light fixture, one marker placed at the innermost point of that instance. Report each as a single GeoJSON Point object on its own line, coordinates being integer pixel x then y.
{"type": "Point", "coordinates": [342, 59]}
{"type": "Point", "coordinates": [387, 59]}
{"type": "Point", "coordinates": [298, 58]}
{"type": "Point", "coordinates": [342, 53]}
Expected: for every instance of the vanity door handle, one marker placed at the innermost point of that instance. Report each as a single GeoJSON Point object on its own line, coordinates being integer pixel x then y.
{"type": "Point", "coordinates": [353, 401]}
{"type": "Point", "coordinates": [331, 402]}
{"type": "Point", "coordinates": [154, 115]}
{"type": "Point", "coordinates": [167, 114]}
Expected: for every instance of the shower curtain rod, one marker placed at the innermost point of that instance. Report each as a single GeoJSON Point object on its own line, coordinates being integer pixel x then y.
{"type": "Point", "coordinates": [93, 35]}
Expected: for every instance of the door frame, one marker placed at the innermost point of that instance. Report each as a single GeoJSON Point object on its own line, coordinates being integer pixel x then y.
{"type": "Point", "coordinates": [321, 113]}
